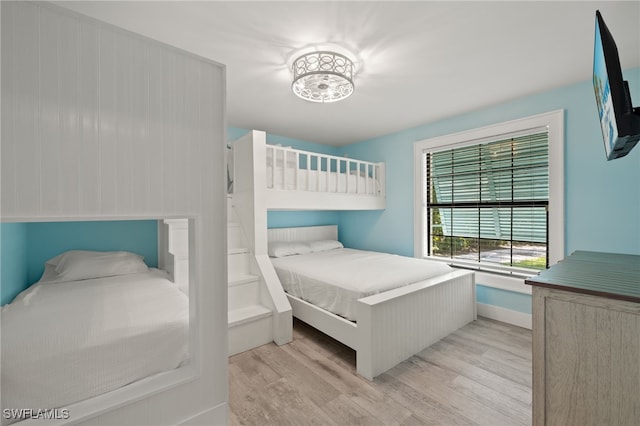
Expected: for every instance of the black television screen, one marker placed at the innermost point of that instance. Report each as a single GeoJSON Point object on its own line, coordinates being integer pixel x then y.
{"type": "Point", "coordinates": [619, 121]}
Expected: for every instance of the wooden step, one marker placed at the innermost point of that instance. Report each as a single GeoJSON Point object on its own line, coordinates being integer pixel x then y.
{"type": "Point", "coordinates": [242, 279]}
{"type": "Point", "coordinates": [238, 250]}
{"type": "Point", "coordinates": [247, 314]}
{"type": "Point", "coordinates": [238, 264]}
{"type": "Point", "coordinates": [244, 293]}
{"type": "Point", "coordinates": [249, 327]}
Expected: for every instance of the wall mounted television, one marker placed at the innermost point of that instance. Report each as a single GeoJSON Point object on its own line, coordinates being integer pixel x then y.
{"type": "Point", "coordinates": [619, 120]}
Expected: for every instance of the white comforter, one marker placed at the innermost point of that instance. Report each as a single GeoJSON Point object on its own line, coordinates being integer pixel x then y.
{"type": "Point", "coordinates": [335, 279]}
{"type": "Point", "coordinates": [65, 342]}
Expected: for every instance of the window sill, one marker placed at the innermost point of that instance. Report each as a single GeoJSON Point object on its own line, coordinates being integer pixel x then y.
{"type": "Point", "coordinates": [503, 280]}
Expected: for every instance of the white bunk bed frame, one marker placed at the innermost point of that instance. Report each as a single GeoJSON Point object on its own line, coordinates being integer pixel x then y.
{"type": "Point", "coordinates": [316, 185]}
{"type": "Point", "coordinates": [393, 325]}
{"type": "Point", "coordinates": [251, 198]}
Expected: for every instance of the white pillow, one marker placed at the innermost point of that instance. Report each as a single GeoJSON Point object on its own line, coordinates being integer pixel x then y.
{"type": "Point", "coordinates": [287, 248]}
{"type": "Point", "coordinates": [323, 245]}
{"type": "Point", "coordinates": [49, 274]}
{"type": "Point", "coordinates": [76, 265]}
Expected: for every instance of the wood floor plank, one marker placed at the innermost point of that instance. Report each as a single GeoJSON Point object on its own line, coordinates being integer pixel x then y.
{"type": "Point", "coordinates": [498, 401]}
{"type": "Point", "coordinates": [424, 408]}
{"type": "Point", "coordinates": [306, 381]}
{"type": "Point", "coordinates": [437, 383]}
{"type": "Point", "coordinates": [344, 411]}
{"type": "Point", "coordinates": [461, 367]}
{"type": "Point", "coordinates": [503, 364]}
{"type": "Point", "coordinates": [479, 375]}
{"type": "Point", "coordinates": [343, 377]}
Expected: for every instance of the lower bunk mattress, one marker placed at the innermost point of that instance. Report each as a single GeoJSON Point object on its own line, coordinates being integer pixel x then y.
{"type": "Point", "coordinates": [335, 279]}
{"type": "Point", "coordinates": [66, 342]}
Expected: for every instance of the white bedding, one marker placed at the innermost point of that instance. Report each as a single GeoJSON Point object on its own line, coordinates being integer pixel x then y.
{"type": "Point", "coordinates": [335, 279]}
{"type": "Point", "coordinates": [65, 342]}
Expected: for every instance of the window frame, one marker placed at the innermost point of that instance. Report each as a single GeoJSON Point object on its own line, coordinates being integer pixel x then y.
{"type": "Point", "coordinates": [553, 122]}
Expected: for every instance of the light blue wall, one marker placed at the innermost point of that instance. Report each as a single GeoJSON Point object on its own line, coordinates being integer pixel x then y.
{"type": "Point", "coordinates": [27, 246]}
{"type": "Point", "coordinates": [511, 300]}
{"type": "Point", "coordinates": [602, 199]}
{"type": "Point", "coordinates": [234, 133]}
{"type": "Point", "coordinates": [13, 260]}
{"type": "Point", "coordinates": [595, 190]}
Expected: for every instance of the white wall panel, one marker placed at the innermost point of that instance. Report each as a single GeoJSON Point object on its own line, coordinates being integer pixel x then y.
{"type": "Point", "coordinates": [68, 59]}
{"type": "Point", "coordinates": [107, 122]}
{"type": "Point", "coordinates": [26, 126]}
{"type": "Point", "coordinates": [140, 143]}
{"type": "Point", "coordinates": [155, 130]}
{"type": "Point", "coordinates": [7, 152]}
{"type": "Point", "coordinates": [99, 123]}
{"type": "Point", "coordinates": [124, 121]}
{"type": "Point", "coordinates": [51, 129]}
{"type": "Point", "coordinates": [89, 194]}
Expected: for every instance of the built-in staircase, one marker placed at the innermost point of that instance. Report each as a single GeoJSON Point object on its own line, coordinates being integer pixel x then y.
{"type": "Point", "coordinates": [250, 310]}
{"type": "Point", "coordinates": [259, 311]}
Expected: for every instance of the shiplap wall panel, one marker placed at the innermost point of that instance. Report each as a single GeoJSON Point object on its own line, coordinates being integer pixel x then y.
{"type": "Point", "coordinates": [27, 154]}
{"type": "Point", "coordinates": [107, 124]}
{"type": "Point", "coordinates": [50, 115]}
{"type": "Point", "coordinates": [108, 129]}
{"type": "Point", "coordinates": [140, 144]}
{"type": "Point", "coordinates": [7, 153]}
{"type": "Point", "coordinates": [123, 54]}
{"type": "Point", "coordinates": [99, 123]}
{"type": "Point", "coordinates": [89, 195]}
{"type": "Point", "coordinates": [155, 131]}
{"type": "Point", "coordinates": [68, 59]}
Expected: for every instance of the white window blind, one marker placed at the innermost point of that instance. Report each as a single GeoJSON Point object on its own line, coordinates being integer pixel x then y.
{"type": "Point", "coordinates": [488, 202]}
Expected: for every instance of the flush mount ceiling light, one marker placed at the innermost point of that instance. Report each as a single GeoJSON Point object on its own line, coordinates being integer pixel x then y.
{"type": "Point", "coordinates": [323, 76]}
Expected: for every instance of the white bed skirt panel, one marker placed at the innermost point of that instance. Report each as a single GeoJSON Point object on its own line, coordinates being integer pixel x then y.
{"type": "Point", "coordinates": [392, 329]}
{"type": "Point", "coordinates": [397, 324]}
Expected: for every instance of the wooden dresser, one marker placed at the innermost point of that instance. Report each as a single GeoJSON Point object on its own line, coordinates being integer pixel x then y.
{"type": "Point", "coordinates": [586, 341]}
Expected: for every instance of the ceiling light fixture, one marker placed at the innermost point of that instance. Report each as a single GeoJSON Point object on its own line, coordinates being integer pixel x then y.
{"type": "Point", "coordinates": [323, 76]}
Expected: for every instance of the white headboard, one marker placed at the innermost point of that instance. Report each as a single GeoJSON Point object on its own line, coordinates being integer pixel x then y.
{"type": "Point", "coordinates": [305, 233]}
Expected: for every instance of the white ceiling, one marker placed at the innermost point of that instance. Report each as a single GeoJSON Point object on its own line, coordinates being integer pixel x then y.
{"type": "Point", "coordinates": [420, 61]}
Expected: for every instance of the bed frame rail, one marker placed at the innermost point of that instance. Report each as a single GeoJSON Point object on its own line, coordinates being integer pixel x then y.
{"type": "Point", "coordinates": [284, 158]}
{"type": "Point", "coordinates": [283, 178]}
{"type": "Point", "coordinates": [397, 324]}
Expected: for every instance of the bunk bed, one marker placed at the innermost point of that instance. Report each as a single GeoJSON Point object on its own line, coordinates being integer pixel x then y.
{"type": "Point", "coordinates": [388, 324]}
{"type": "Point", "coordinates": [293, 179]}
{"type": "Point", "coordinates": [95, 322]}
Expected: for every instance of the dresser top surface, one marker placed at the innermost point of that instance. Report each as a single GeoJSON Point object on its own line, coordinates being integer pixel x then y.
{"type": "Point", "coordinates": [616, 276]}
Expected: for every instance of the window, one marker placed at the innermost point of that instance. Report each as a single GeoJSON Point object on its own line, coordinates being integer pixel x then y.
{"type": "Point", "coordinates": [487, 196]}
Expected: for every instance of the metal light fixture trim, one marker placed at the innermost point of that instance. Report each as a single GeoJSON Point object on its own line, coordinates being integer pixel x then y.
{"type": "Point", "coordinates": [323, 76]}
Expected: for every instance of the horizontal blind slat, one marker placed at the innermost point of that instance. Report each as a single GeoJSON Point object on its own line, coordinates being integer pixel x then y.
{"type": "Point", "coordinates": [507, 171]}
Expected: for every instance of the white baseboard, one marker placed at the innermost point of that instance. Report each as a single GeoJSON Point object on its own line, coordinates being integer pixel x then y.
{"type": "Point", "coordinates": [497, 313]}
{"type": "Point", "coordinates": [212, 417]}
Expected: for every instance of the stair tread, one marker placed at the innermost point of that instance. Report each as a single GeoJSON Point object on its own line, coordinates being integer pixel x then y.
{"type": "Point", "coordinates": [248, 313]}
{"type": "Point", "coordinates": [237, 250]}
{"type": "Point", "coordinates": [242, 279]}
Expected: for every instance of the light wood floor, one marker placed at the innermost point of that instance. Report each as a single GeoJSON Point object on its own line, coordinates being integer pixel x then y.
{"type": "Point", "coordinates": [479, 375]}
